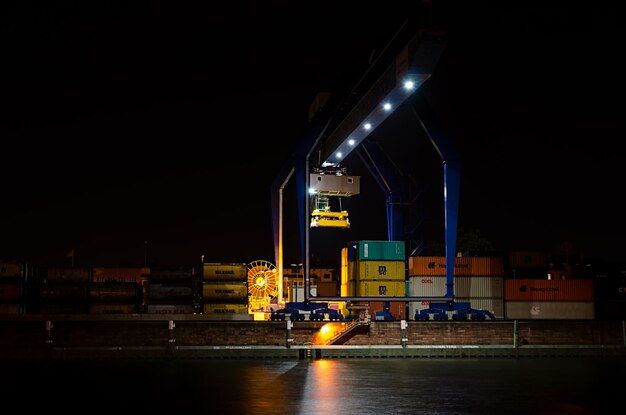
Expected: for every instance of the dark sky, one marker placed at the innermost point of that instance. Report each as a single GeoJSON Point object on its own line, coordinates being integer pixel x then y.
{"type": "Point", "coordinates": [167, 123]}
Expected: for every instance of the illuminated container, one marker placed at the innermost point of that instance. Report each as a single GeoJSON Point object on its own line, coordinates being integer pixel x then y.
{"type": "Point", "coordinates": [170, 308]}
{"type": "Point", "coordinates": [68, 275]}
{"type": "Point", "coordinates": [495, 305]}
{"type": "Point", "coordinates": [376, 251]}
{"type": "Point", "coordinates": [527, 259]}
{"type": "Point", "coordinates": [225, 290]}
{"type": "Point", "coordinates": [172, 274]}
{"type": "Point", "coordinates": [170, 292]}
{"type": "Point", "coordinates": [112, 308]}
{"type": "Point", "coordinates": [380, 288]}
{"type": "Point", "coordinates": [10, 269]}
{"type": "Point", "coordinates": [548, 290]}
{"type": "Point", "coordinates": [549, 310]}
{"type": "Point", "coordinates": [224, 308]}
{"type": "Point", "coordinates": [136, 275]}
{"type": "Point", "coordinates": [224, 271]}
{"type": "Point", "coordinates": [51, 293]}
{"type": "Point", "coordinates": [379, 270]}
{"type": "Point", "coordinates": [114, 292]}
{"type": "Point", "coordinates": [474, 266]}
{"type": "Point", "coordinates": [10, 291]}
{"type": "Point", "coordinates": [467, 287]}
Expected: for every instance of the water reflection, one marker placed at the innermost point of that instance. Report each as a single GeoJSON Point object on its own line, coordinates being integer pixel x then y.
{"type": "Point", "coordinates": [334, 387]}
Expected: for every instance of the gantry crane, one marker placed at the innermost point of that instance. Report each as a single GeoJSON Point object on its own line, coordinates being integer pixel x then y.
{"type": "Point", "coordinates": [341, 126]}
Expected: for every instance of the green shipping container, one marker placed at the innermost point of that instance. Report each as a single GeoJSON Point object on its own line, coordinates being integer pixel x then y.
{"type": "Point", "coordinates": [376, 251]}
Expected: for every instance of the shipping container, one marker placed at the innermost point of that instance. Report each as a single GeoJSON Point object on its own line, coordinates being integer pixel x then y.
{"type": "Point", "coordinates": [327, 289]}
{"type": "Point", "coordinates": [225, 290]}
{"type": "Point", "coordinates": [381, 288]}
{"type": "Point", "coordinates": [397, 308]}
{"type": "Point", "coordinates": [468, 287]}
{"type": "Point", "coordinates": [137, 275]}
{"type": "Point", "coordinates": [224, 308]}
{"type": "Point", "coordinates": [529, 273]}
{"type": "Point", "coordinates": [112, 308]}
{"type": "Point", "coordinates": [467, 266]}
{"type": "Point", "coordinates": [114, 292]}
{"type": "Point", "coordinates": [548, 290]}
{"type": "Point", "coordinates": [376, 251]}
{"type": "Point", "coordinates": [380, 270]}
{"type": "Point", "coordinates": [50, 293]}
{"type": "Point", "coordinates": [296, 293]}
{"type": "Point", "coordinates": [173, 292]}
{"type": "Point", "coordinates": [68, 275]}
{"type": "Point", "coordinates": [170, 309]}
{"type": "Point", "coordinates": [530, 259]}
{"type": "Point", "coordinates": [10, 291]}
{"type": "Point", "coordinates": [224, 271]}
{"type": "Point", "coordinates": [10, 308]}
{"type": "Point", "coordinates": [74, 307]}
{"type": "Point", "coordinates": [171, 274]}
{"type": "Point", "coordinates": [549, 310]}
{"type": "Point", "coordinates": [11, 269]}
{"type": "Point", "coordinates": [495, 305]}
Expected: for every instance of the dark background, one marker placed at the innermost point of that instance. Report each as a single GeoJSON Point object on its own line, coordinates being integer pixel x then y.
{"type": "Point", "coordinates": [167, 123]}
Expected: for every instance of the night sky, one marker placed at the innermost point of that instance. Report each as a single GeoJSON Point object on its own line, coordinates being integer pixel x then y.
{"type": "Point", "coordinates": [166, 123]}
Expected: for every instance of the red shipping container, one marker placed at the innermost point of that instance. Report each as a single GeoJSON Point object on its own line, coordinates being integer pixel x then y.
{"type": "Point", "coordinates": [548, 290]}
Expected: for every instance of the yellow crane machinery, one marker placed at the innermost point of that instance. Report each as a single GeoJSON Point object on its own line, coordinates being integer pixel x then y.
{"type": "Point", "coordinates": [262, 285]}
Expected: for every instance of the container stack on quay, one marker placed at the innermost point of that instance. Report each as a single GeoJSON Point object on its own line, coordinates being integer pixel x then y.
{"type": "Point", "coordinates": [374, 269]}
{"type": "Point", "coordinates": [477, 280]}
{"type": "Point", "coordinates": [118, 290]}
{"type": "Point", "coordinates": [172, 291]}
{"type": "Point", "coordinates": [12, 279]}
{"type": "Point", "coordinates": [532, 299]}
{"type": "Point", "coordinates": [225, 290]}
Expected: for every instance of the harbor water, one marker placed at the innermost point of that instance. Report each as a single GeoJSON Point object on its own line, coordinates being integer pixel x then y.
{"type": "Point", "coordinates": [325, 386]}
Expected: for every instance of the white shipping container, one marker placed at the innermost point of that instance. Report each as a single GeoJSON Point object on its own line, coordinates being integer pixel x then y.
{"type": "Point", "coordinates": [547, 310]}
{"type": "Point", "coordinates": [464, 286]}
{"type": "Point", "coordinates": [495, 305]}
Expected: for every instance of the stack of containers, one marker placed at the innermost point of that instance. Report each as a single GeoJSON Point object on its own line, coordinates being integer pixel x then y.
{"type": "Point", "coordinates": [376, 269]}
{"type": "Point", "coordinates": [11, 287]}
{"type": "Point", "coordinates": [171, 291]}
{"type": "Point", "coordinates": [118, 290]}
{"type": "Point", "coordinates": [63, 290]}
{"type": "Point", "coordinates": [477, 280]}
{"type": "Point", "coordinates": [224, 288]}
{"type": "Point", "coordinates": [533, 299]}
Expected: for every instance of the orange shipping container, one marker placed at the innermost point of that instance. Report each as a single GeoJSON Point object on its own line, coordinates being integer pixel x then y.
{"type": "Point", "coordinates": [327, 289]}
{"type": "Point", "coordinates": [548, 290]}
{"type": "Point", "coordinates": [397, 308]}
{"type": "Point", "coordinates": [114, 274]}
{"type": "Point", "coordinates": [436, 265]}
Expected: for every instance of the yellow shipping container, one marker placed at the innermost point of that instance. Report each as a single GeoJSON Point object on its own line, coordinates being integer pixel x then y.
{"type": "Point", "coordinates": [225, 290]}
{"type": "Point", "coordinates": [380, 270]}
{"type": "Point", "coordinates": [224, 271]}
{"type": "Point", "coordinates": [381, 288]}
{"type": "Point", "coordinates": [10, 269]}
{"type": "Point", "coordinates": [436, 265]}
{"type": "Point", "coordinates": [217, 308]}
